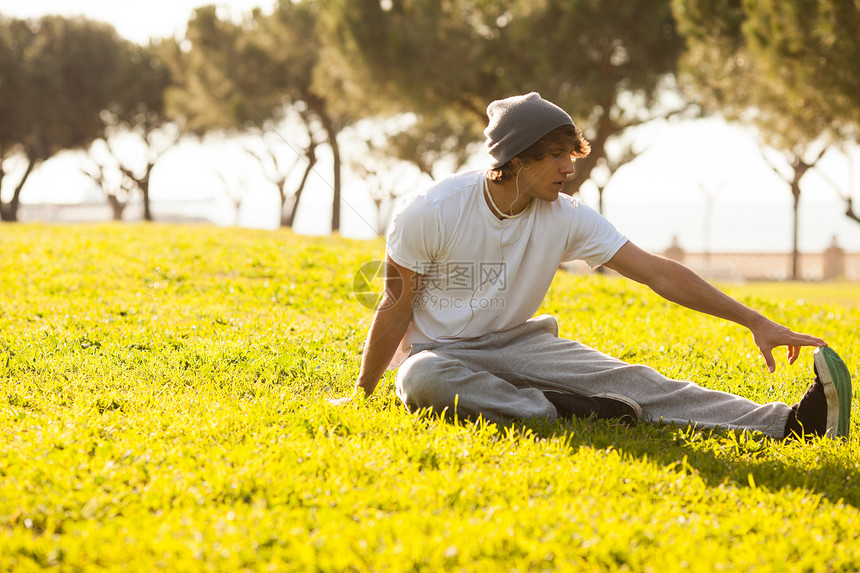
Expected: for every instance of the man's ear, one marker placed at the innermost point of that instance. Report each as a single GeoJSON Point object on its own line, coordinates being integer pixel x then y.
{"type": "Point", "coordinates": [525, 165]}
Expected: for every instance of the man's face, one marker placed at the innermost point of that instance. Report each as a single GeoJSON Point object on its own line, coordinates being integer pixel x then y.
{"type": "Point", "coordinates": [545, 178]}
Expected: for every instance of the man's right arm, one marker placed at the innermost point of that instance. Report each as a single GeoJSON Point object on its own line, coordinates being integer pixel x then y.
{"type": "Point", "coordinates": [389, 324]}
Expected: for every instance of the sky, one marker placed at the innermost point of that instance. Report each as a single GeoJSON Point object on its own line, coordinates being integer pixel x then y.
{"type": "Point", "coordinates": [137, 20]}
{"type": "Point", "coordinates": [703, 181]}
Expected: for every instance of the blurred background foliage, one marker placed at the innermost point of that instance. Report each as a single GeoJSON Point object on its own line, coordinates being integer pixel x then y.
{"type": "Point", "coordinates": [421, 72]}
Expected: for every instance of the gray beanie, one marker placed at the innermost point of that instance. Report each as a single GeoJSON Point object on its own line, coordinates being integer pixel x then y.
{"type": "Point", "coordinates": [518, 122]}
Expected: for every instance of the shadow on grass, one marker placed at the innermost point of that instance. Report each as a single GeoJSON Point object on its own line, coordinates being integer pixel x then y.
{"type": "Point", "coordinates": [744, 459]}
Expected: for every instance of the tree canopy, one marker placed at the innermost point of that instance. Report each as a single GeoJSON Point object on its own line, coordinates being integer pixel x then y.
{"type": "Point", "coordinates": [603, 62]}
{"type": "Point", "coordinates": [809, 51]}
{"type": "Point", "coordinates": [248, 76]}
{"type": "Point", "coordinates": [775, 66]}
{"type": "Point", "coordinates": [62, 73]}
{"type": "Point", "coordinates": [139, 109]}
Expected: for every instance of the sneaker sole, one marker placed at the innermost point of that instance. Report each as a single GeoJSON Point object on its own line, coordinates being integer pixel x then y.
{"type": "Point", "coordinates": [629, 401]}
{"type": "Point", "coordinates": [836, 380]}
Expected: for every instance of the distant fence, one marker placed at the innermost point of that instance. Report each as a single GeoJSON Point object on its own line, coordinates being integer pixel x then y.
{"type": "Point", "coordinates": [191, 211]}
{"type": "Point", "coordinates": [832, 264]}
{"type": "Point", "coordinates": [764, 266]}
{"type": "Point", "coordinates": [773, 266]}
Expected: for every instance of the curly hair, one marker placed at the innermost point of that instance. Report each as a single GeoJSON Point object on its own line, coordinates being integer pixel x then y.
{"type": "Point", "coordinates": [566, 136]}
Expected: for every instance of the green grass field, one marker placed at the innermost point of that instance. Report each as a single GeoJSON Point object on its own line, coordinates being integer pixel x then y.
{"type": "Point", "coordinates": [164, 408]}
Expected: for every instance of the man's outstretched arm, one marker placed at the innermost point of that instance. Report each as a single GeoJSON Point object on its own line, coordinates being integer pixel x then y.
{"type": "Point", "coordinates": [675, 282]}
{"type": "Point", "coordinates": [389, 324]}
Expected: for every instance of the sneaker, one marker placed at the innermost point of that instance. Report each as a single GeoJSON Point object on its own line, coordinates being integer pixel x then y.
{"type": "Point", "coordinates": [602, 406]}
{"type": "Point", "coordinates": [618, 407]}
{"type": "Point", "coordinates": [836, 380]}
{"type": "Point", "coordinates": [825, 409]}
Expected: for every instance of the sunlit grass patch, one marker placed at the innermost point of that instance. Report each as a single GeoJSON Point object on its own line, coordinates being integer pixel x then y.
{"type": "Point", "coordinates": [163, 407]}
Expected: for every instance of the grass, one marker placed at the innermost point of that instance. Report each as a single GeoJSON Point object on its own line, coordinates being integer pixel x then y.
{"type": "Point", "coordinates": [163, 408]}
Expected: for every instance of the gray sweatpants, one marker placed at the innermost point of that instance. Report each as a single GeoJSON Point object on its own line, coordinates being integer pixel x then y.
{"type": "Point", "coordinates": [501, 376]}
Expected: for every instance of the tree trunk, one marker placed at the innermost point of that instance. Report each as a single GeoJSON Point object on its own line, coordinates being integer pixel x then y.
{"type": "Point", "coordinates": [331, 132]}
{"type": "Point", "coordinates": [143, 183]}
{"type": "Point", "coordinates": [2, 176]}
{"type": "Point", "coordinates": [237, 206]}
{"type": "Point", "coordinates": [147, 211]}
{"type": "Point", "coordinates": [795, 254]}
{"type": "Point", "coordinates": [9, 211]}
{"type": "Point", "coordinates": [800, 168]}
{"type": "Point", "coordinates": [335, 202]}
{"type": "Point", "coordinates": [849, 210]}
{"type": "Point", "coordinates": [117, 207]}
{"type": "Point", "coordinates": [288, 219]}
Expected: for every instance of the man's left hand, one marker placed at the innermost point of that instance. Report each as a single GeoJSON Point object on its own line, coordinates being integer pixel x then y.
{"type": "Point", "coordinates": [769, 335]}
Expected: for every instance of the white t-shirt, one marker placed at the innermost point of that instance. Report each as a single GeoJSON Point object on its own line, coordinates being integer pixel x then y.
{"type": "Point", "coordinates": [482, 274]}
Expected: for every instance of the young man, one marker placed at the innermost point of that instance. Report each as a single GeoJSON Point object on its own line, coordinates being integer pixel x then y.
{"type": "Point", "coordinates": [469, 262]}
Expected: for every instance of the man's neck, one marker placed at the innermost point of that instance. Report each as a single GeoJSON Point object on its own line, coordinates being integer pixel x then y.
{"type": "Point", "coordinates": [503, 199]}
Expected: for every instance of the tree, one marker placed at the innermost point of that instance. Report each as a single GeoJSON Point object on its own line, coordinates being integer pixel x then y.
{"type": "Point", "coordinates": [65, 74]}
{"type": "Point", "coordinates": [609, 165]}
{"type": "Point", "coordinates": [278, 171]}
{"type": "Point", "coordinates": [250, 77]}
{"type": "Point", "coordinates": [13, 103]}
{"type": "Point", "coordinates": [117, 190]}
{"type": "Point", "coordinates": [385, 178]}
{"type": "Point", "coordinates": [605, 62]}
{"type": "Point", "coordinates": [235, 188]}
{"type": "Point", "coordinates": [810, 50]}
{"type": "Point", "coordinates": [138, 109]}
{"type": "Point", "coordinates": [796, 162]}
{"type": "Point", "coordinates": [727, 48]}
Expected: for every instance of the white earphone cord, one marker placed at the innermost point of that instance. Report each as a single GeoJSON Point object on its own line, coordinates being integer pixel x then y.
{"type": "Point", "coordinates": [499, 212]}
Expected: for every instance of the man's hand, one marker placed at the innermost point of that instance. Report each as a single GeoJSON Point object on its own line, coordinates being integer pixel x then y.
{"type": "Point", "coordinates": [339, 401]}
{"type": "Point", "coordinates": [769, 335]}
{"type": "Point", "coordinates": [358, 395]}
{"type": "Point", "coordinates": [390, 323]}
